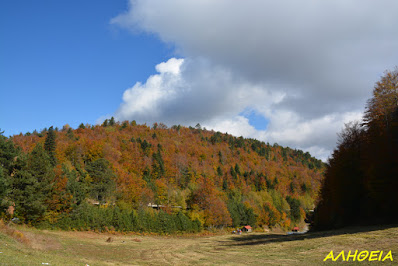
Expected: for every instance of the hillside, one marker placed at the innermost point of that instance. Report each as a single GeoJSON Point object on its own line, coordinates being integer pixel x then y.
{"type": "Point", "coordinates": [206, 177]}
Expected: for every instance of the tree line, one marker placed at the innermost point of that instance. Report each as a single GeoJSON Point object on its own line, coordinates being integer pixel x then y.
{"type": "Point", "coordinates": [361, 177]}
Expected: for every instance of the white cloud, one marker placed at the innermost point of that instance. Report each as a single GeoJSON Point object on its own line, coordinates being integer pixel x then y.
{"type": "Point", "coordinates": [191, 91]}
{"type": "Point", "coordinates": [318, 136]}
{"type": "Point", "coordinates": [172, 66]}
{"type": "Point", "coordinates": [237, 126]}
{"type": "Point", "coordinates": [145, 99]}
{"type": "Point", "coordinates": [307, 66]}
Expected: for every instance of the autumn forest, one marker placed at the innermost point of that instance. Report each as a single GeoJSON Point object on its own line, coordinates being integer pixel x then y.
{"type": "Point", "coordinates": [105, 176]}
{"type": "Point", "coordinates": [123, 176]}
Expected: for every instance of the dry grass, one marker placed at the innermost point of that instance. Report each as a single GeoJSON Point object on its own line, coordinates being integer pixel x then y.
{"type": "Point", "coordinates": [16, 234]}
{"type": "Point", "coordinates": [80, 248]}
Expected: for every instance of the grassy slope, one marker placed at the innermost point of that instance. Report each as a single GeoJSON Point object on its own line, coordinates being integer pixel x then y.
{"type": "Point", "coordinates": [80, 248]}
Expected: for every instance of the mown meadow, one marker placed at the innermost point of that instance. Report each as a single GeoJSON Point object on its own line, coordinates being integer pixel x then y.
{"type": "Point", "coordinates": [23, 245]}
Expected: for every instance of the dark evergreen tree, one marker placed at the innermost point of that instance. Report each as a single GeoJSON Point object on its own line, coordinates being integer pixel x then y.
{"type": "Point", "coordinates": [70, 134]}
{"type": "Point", "coordinates": [27, 195]}
{"type": "Point", "coordinates": [4, 190]}
{"type": "Point", "coordinates": [102, 184]}
{"type": "Point", "coordinates": [237, 169]}
{"type": "Point", "coordinates": [50, 145]}
{"type": "Point", "coordinates": [292, 187]}
{"type": "Point", "coordinates": [8, 154]}
{"type": "Point", "coordinates": [224, 184]}
{"type": "Point", "coordinates": [40, 166]}
{"type": "Point", "coordinates": [233, 173]}
{"type": "Point", "coordinates": [295, 205]}
{"type": "Point", "coordinates": [145, 146]}
{"type": "Point", "coordinates": [158, 169]}
{"type": "Point", "coordinates": [112, 121]}
{"type": "Point", "coordinates": [186, 177]}
{"type": "Point", "coordinates": [240, 214]}
{"type": "Point", "coordinates": [3, 184]}
{"type": "Point", "coordinates": [124, 125]}
{"type": "Point", "coordinates": [76, 186]}
{"type": "Point", "coordinates": [219, 171]}
{"type": "Point", "coordinates": [220, 160]}
{"type": "Point", "coordinates": [304, 188]}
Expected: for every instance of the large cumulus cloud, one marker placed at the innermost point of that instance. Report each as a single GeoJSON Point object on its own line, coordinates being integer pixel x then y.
{"type": "Point", "coordinates": [307, 66]}
{"type": "Point", "coordinates": [189, 91]}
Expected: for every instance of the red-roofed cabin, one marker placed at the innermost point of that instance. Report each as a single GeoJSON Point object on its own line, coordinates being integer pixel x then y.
{"type": "Point", "coordinates": [247, 228]}
{"type": "Point", "coordinates": [295, 229]}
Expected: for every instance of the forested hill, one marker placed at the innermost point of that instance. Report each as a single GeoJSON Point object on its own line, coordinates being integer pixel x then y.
{"type": "Point", "coordinates": [215, 179]}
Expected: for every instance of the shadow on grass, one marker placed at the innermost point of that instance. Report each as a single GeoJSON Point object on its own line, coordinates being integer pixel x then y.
{"type": "Point", "coordinates": [261, 239]}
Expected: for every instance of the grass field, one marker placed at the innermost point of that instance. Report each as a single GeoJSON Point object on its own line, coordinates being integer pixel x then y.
{"type": "Point", "coordinates": [28, 246]}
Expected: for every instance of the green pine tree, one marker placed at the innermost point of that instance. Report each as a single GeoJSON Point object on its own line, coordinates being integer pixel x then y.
{"type": "Point", "coordinates": [50, 144]}
{"type": "Point", "coordinates": [102, 176]}
{"type": "Point", "coordinates": [8, 154]}
{"type": "Point", "coordinates": [112, 121]}
{"type": "Point", "coordinates": [3, 184]}
{"type": "Point", "coordinates": [158, 169]}
{"type": "Point", "coordinates": [4, 190]}
{"type": "Point", "coordinates": [28, 198]}
{"type": "Point", "coordinates": [39, 164]}
{"type": "Point", "coordinates": [75, 186]}
{"type": "Point", "coordinates": [70, 134]}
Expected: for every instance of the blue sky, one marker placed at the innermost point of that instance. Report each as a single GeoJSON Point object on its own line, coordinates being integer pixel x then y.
{"type": "Point", "coordinates": [61, 62]}
{"type": "Point", "coordinates": [291, 72]}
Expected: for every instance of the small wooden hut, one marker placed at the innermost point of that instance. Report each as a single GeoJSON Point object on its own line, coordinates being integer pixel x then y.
{"type": "Point", "coordinates": [247, 228]}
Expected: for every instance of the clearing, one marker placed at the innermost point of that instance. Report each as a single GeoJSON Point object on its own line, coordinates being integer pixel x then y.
{"type": "Point", "coordinates": [28, 246]}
